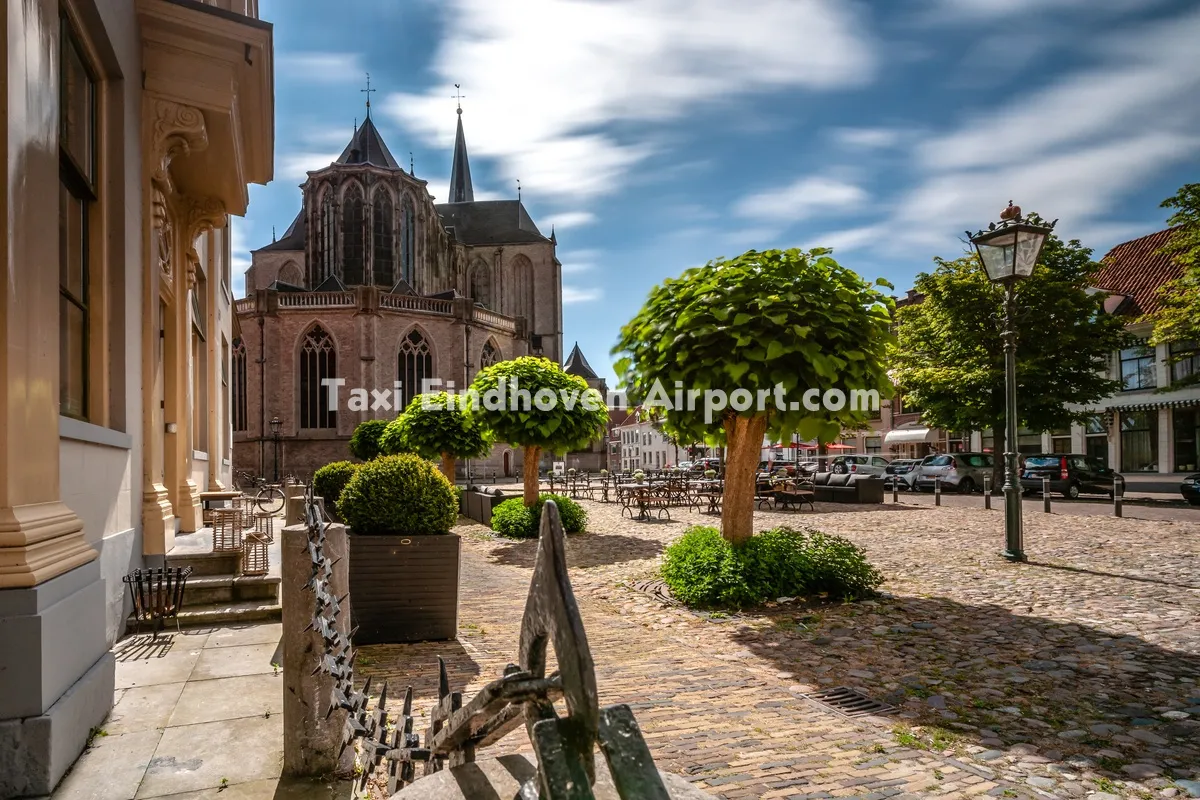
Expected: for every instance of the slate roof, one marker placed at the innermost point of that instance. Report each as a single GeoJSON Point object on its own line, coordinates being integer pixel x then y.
{"type": "Point", "coordinates": [331, 284]}
{"type": "Point", "coordinates": [293, 237]}
{"type": "Point", "coordinates": [490, 222]}
{"type": "Point", "coordinates": [370, 147]}
{"type": "Point", "coordinates": [578, 365]}
{"type": "Point", "coordinates": [1136, 269]}
{"type": "Point", "coordinates": [461, 190]}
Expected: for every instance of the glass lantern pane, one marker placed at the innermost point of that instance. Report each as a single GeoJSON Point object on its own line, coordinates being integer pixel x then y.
{"type": "Point", "coordinates": [997, 260]}
{"type": "Point", "coordinates": [1029, 244]}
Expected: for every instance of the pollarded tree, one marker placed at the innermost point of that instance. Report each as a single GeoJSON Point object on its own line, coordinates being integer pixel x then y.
{"type": "Point", "coordinates": [439, 426]}
{"type": "Point", "coordinates": [740, 328]}
{"type": "Point", "coordinates": [531, 403]}
{"type": "Point", "coordinates": [364, 442]}
{"type": "Point", "coordinates": [950, 358]}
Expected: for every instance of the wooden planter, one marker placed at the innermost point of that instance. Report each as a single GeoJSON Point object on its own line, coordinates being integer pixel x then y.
{"type": "Point", "coordinates": [403, 588]}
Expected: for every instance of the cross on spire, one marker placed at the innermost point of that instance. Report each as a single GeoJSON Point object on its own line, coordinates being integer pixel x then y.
{"type": "Point", "coordinates": [458, 95]}
{"type": "Point", "coordinates": [368, 92]}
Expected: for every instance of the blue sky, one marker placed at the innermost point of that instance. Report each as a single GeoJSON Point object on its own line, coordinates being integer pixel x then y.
{"type": "Point", "coordinates": [657, 134]}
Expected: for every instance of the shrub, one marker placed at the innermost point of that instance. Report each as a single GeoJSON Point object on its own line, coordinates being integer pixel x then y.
{"type": "Point", "coordinates": [364, 442]}
{"type": "Point", "coordinates": [513, 519]}
{"type": "Point", "coordinates": [402, 494]}
{"type": "Point", "coordinates": [392, 441]}
{"type": "Point", "coordinates": [331, 479]}
{"type": "Point", "coordinates": [703, 569]}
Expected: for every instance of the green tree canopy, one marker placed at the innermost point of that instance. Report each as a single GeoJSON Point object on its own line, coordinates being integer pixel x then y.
{"type": "Point", "coordinates": [949, 357]}
{"type": "Point", "coordinates": [787, 318]}
{"type": "Point", "coordinates": [364, 442]}
{"type": "Point", "coordinates": [1178, 319]}
{"type": "Point", "coordinates": [559, 413]}
{"type": "Point", "coordinates": [439, 426]}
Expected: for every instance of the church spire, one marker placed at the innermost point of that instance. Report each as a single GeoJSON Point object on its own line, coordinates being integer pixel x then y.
{"type": "Point", "coordinates": [461, 190]}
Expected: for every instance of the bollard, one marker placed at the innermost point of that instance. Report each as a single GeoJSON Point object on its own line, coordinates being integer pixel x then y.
{"type": "Point", "coordinates": [1046, 495]}
{"type": "Point", "coordinates": [895, 488]}
{"type": "Point", "coordinates": [1118, 494]}
{"type": "Point", "coordinates": [937, 490]}
{"type": "Point", "coordinates": [987, 492]}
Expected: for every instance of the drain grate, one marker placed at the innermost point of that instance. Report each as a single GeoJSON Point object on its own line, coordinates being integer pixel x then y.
{"type": "Point", "coordinates": [656, 589]}
{"type": "Point", "coordinates": [851, 703]}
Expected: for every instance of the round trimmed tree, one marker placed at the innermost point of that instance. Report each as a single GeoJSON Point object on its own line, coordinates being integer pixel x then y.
{"type": "Point", "coordinates": [532, 403]}
{"type": "Point", "coordinates": [739, 328]}
{"type": "Point", "coordinates": [364, 442]}
{"type": "Point", "coordinates": [440, 426]}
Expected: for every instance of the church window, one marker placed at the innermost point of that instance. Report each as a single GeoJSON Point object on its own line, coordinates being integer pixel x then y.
{"type": "Point", "coordinates": [490, 354]}
{"type": "Point", "coordinates": [239, 386]}
{"type": "Point", "coordinates": [352, 236]}
{"type": "Point", "coordinates": [481, 284]}
{"type": "Point", "coordinates": [408, 244]}
{"type": "Point", "coordinates": [318, 362]}
{"type": "Point", "coordinates": [416, 365]}
{"type": "Point", "coordinates": [322, 267]}
{"type": "Point", "coordinates": [382, 240]}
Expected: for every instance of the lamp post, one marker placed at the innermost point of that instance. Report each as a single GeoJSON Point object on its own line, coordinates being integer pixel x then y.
{"type": "Point", "coordinates": [276, 424]}
{"type": "Point", "coordinates": [1009, 251]}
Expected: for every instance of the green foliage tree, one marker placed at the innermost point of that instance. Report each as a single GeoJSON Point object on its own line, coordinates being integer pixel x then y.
{"type": "Point", "coordinates": [1178, 319]}
{"type": "Point", "coordinates": [364, 442]}
{"type": "Point", "coordinates": [575, 419]}
{"type": "Point", "coordinates": [949, 357]}
{"type": "Point", "coordinates": [790, 318]}
{"type": "Point", "coordinates": [440, 426]}
{"type": "Point", "coordinates": [403, 494]}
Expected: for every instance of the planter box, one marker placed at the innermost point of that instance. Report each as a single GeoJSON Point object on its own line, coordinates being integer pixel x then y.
{"type": "Point", "coordinates": [403, 588]}
{"type": "Point", "coordinates": [479, 505]}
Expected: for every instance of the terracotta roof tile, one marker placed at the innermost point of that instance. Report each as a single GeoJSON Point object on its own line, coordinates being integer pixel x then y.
{"type": "Point", "coordinates": [1137, 269]}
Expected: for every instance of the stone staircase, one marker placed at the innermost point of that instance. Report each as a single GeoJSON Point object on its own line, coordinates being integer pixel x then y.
{"type": "Point", "coordinates": [217, 595]}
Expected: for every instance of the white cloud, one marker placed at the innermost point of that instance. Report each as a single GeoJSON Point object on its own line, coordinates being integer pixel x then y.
{"type": "Point", "coordinates": [616, 61]}
{"type": "Point", "coordinates": [576, 262]}
{"type": "Point", "coordinates": [574, 294]}
{"type": "Point", "coordinates": [439, 188]}
{"type": "Point", "coordinates": [296, 166]}
{"type": "Point", "coordinates": [240, 260]}
{"type": "Point", "coordinates": [866, 138]}
{"type": "Point", "coordinates": [568, 219]}
{"type": "Point", "coordinates": [847, 239]}
{"type": "Point", "coordinates": [320, 67]}
{"type": "Point", "coordinates": [802, 198]}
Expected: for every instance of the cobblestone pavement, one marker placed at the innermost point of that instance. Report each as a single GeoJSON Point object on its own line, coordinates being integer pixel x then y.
{"type": "Point", "coordinates": [1075, 675]}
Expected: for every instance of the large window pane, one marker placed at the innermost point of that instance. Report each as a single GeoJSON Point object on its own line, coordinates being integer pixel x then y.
{"type": "Point", "coordinates": [1137, 368]}
{"type": "Point", "coordinates": [72, 359]}
{"type": "Point", "coordinates": [1139, 441]}
{"type": "Point", "coordinates": [78, 113]}
{"type": "Point", "coordinates": [1187, 440]}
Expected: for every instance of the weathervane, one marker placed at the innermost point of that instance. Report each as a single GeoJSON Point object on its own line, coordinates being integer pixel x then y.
{"type": "Point", "coordinates": [518, 190]}
{"type": "Point", "coordinates": [458, 95]}
{"type": "Point", "coordinates": [368, 91]}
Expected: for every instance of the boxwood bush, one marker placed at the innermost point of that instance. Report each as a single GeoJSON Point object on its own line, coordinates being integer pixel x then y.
{"type": "Point", "coordinates": [704, 569]}
{"type": "Point", "coordinates": [331, 479]}
{"type": "Point", "coordinates": [515, 520]}
{"type": "Point", "coordinates": [404, 495]}
{"type": "Point", "coordinates": [364, 442]}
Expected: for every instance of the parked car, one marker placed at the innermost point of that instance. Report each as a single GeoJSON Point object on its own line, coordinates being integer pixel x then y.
{"type": "Point", "coordinates": [858, 465]}
{"type": "Point", "coordinates": [899, 472]}
{"type": "Point", "coordinates": [706, 464]}
{"type": "Point", "coordinates": [961, 472]}
{"type": "Point", "coordinates": [1190, 489]}
{"type": "Point", "coordinates": [775, 466]}
{"type": "Point", "coordinates": [1070, 474]}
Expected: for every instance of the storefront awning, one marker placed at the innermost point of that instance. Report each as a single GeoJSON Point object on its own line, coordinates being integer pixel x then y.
{"type": "Point", "coordinates": [909, 434]}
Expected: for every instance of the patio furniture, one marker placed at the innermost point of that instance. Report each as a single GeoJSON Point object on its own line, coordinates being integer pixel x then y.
{"type": "Point", "coordinates": [255, 555]}
{"type": "Point", "coordinates": [832, 487]}
{"type": "Point", "coordinates": [211, 501]}
{"type": "Point", "coordinates": [794, 499]}
{"type": "Point", "coordinates": [227, 525]}
{"type": "Point", "coordinates": [157, 595]}
{"type": "Point", "coordinates": [714, 501]}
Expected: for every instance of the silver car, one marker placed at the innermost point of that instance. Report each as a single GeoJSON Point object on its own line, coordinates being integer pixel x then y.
{"type": "Point", "coordinates": [961, 472]}
{"type": "Point", "coordinates": [859, 465]}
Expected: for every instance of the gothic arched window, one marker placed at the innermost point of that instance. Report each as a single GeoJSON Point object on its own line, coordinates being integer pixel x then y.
{"type": "Point", "coordinates": [318, 362]}
{"type": "Point", "coordinates": [238, 412]}
{"type": "Point", "coordinates": [408, 242]}
{"type": "Point", "coordinates": [521, 304]}
{"type": "Point", "coordinates": [382, 242]}
{"type": "Point", "coordinates": [353, 234]}
{"type": "Point", "coordinates": [480, 284]}
{"type": "Point", "coordinates": [490, 354]}
{"type": "Point", "coordinates": [326, 255]}
{"type": "Point", "coordinates": [416, 365]}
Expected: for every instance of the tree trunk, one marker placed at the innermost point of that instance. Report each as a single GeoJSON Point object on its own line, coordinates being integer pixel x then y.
{"type": "Point", "coordinates": [743, 439]}
{"type": "Point", "coordinates": [999, 446]}
{"type": "Point", "coordinates": [448, 466]}
{"type": "Point", "coordinates": [530, 470]}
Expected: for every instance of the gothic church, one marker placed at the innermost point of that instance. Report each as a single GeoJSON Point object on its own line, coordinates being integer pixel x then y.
{"type": "Point", "coordinates": [374, 283]}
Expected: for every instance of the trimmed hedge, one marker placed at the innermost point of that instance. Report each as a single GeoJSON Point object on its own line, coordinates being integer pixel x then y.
{"type": "Point", "coordinates": [704, 569]}
{"type": "Point", "coordinates": [364, 442]}
{"type": "Point", "coordinates": [404, 495]}
{"type": "Point", "coordinates": [514, 520]}
{"type": "Point", "coordinates": [331, 479]}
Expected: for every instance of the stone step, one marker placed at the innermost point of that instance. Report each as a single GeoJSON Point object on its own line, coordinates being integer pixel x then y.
{"type": "Point", "coordinates": [231, 613]}
{"type": "Point", "coordinates": [206, 563]}
{"type": "Point", "coordinates": [205, 590]}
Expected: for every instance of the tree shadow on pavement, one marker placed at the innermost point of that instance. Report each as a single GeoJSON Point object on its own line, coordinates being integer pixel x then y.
{"type": "Point", "coordinates": [1101, 704]}
{"type": "Point", "coordinates": [584, 550]}
{"type": "Point", "coordinates": [415, 665]}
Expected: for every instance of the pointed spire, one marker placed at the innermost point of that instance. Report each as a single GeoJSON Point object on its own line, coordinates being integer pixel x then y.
{"type": "Point", "coordinates": [578, 365]}
{"type": "Point", "coordinates": [461, 190]}
{"type": "Point", "coordinates": [553, 238]}
{"type": "Point", "coordinates": [273, 239]}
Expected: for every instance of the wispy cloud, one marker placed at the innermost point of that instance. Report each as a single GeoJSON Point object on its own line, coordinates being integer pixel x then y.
{"type": "Point", "coordinates": [640, 61]}
{"type": "Point", "coordinates": [440, 189]}
{"type": "Point", "coordinates": [568, 219]}
{"type": "Point", "coordinates": [572, 295]}
{"type": "Point", "coordinates": [866, 138]}
{"type": "Point", "coordinates": [321, 67]}
{"type": "Point", "coordinates": [576, 262]}
{"type": "Point", "coordinates": [240, 261]}
{"type": "Point", "coordinates": [801, 199]}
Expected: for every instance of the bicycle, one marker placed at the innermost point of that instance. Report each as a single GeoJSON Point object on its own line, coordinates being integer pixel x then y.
{"type": "Point", "coordinates": [269, 497]}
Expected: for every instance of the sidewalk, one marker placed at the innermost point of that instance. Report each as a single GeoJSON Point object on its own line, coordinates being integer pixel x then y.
{"type": "Point", "coordinates": [198, 715]}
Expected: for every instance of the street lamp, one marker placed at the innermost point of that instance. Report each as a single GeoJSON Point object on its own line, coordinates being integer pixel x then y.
{"type": "Point", "coordinates": [276, 424]}
{"type": "Point", "coordinates": [1009, 251]}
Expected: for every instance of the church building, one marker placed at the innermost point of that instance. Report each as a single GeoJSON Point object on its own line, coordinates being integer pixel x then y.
{"type": "Point", "coordinates": [377, 284]}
